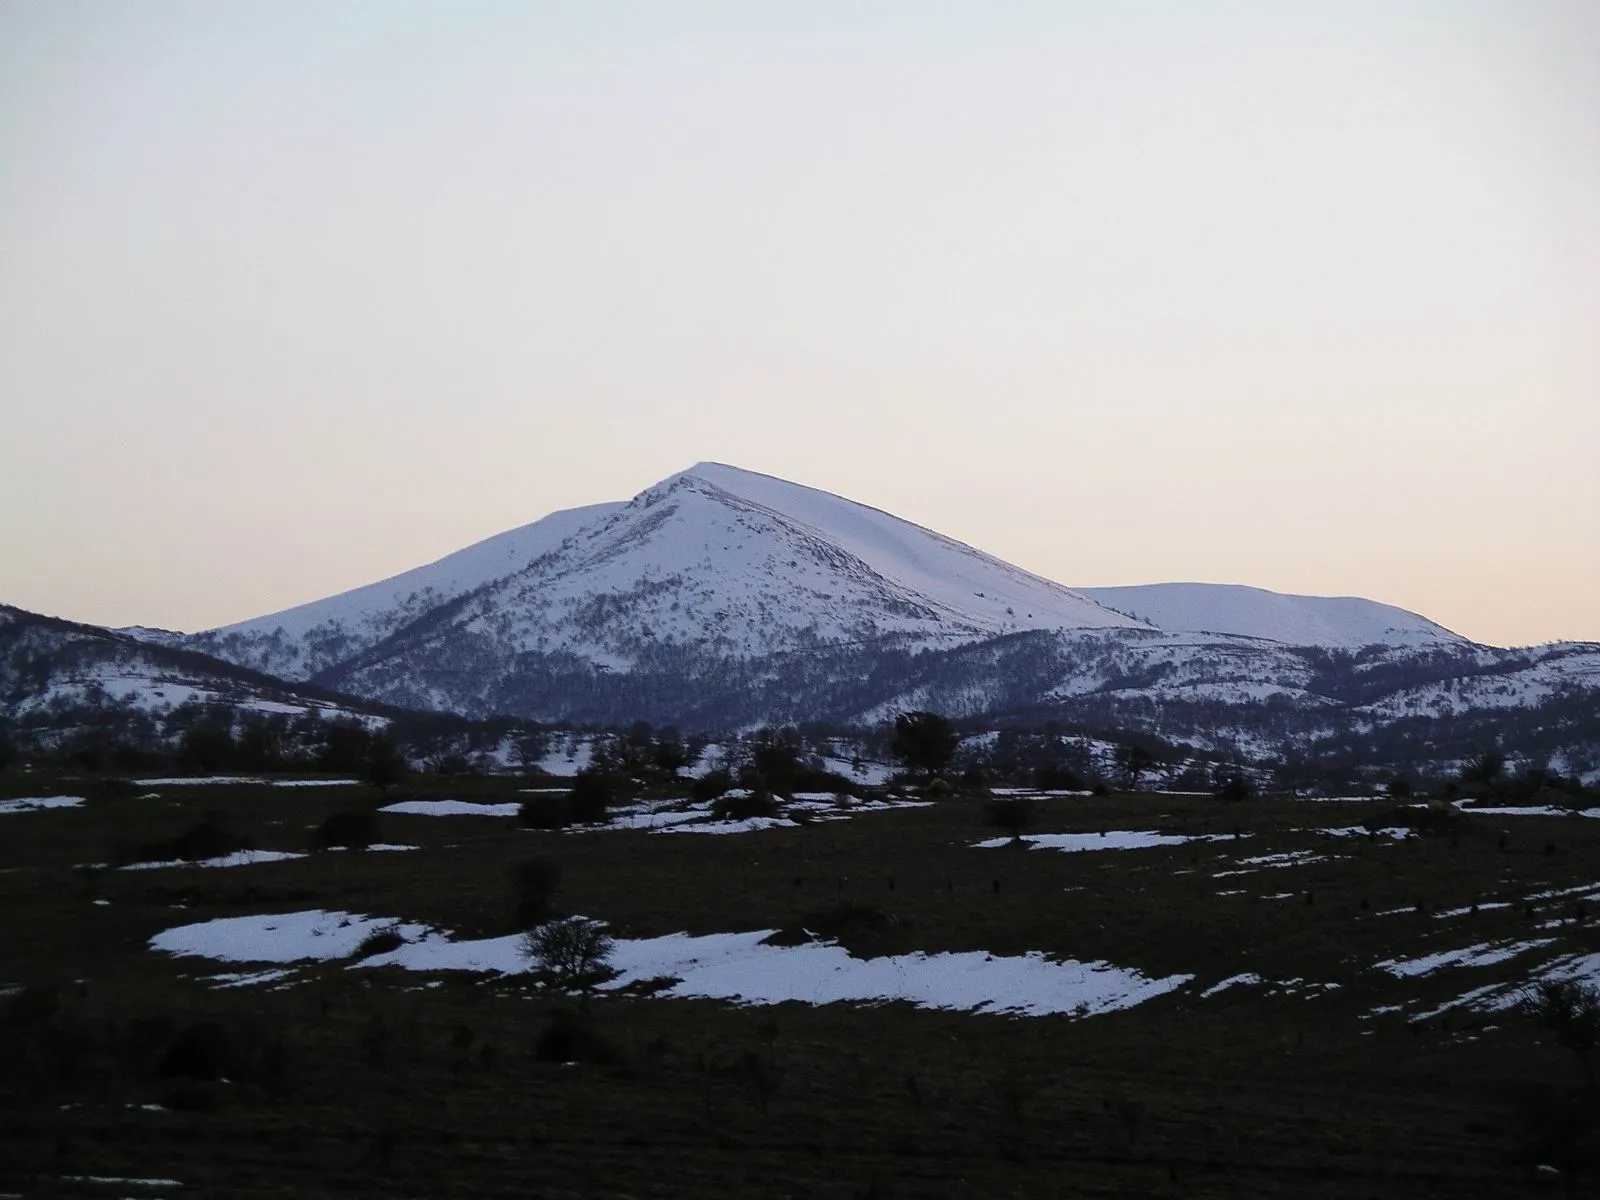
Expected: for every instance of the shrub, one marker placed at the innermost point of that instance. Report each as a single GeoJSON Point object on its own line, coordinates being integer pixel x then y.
{"type": "Point", "coordinates": [573, 950]}
{"type": "Point", "coordinates": [206, 839]}
{"type": "Point", "coordinates": [1570, 1010]}
{"type": "Point", "coordinates": [534, 883]}
{"type": "Point", "coordinates": [711, 785]}
{"type": "Point", "coordinates": [1234, 787]}
{"type": "Point", "coordinates": [384, 765]}
{"type": "Point", "coordinates": [545, 812]}
{"type": "Point", "coordinates": [380, 941]}
{"type": "Point", "coordinates": [591, 795]}
{"type": "Point", "coordinates": [354, 830]}
{"type": "Point", "coordinates": [924, 741]}
{"type": "Point", "coordinates": [846, 917]}
{"type": "Point", "coordinates": [1053, 777]}
{"type": "Point", "coordinates": [742, 806]}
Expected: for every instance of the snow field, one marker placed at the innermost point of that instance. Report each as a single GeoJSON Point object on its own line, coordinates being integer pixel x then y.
{"type": "Point", "coordinates": [736, 967]}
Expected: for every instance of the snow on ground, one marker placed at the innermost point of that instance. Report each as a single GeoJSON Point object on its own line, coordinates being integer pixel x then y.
{"type": "Point", "coordinates": [567, 759]}
{"type": "Point", "coordinates": [36, 803]}
{"type": "Point", "coordinates": [1338, 799]}
{"type": "Point", "coordinates": [725, 966]}
{"type": "Point", "coordinates": [1249, 979]}
{"type": "Point", "coordinates": [451, 808]}
{"type": "Point", "coordinates": [1483, 955]}
{"type": "Point", "coordinates": [1545, 810]}
{"type": "Point", "coordinates": [122, 1181]}
{"type": "Point", "coordinates": [871, 774]}
{"type": "Point", "coordinates": [1398, 832]}
{"type": "Point", "coordinates": [281, 938]}
{"type": "Point", "coordinates": [677, 815]}
{"type": "Point", "coordinates": [197, 780]}
{"type": "Point", "coordinates": [1471, 909]}
{"type": "Point", "coordinates": [1122, 839]}
{"type": "Point", "coordinates": [1288, 858]}
{"type": "Point", "coordinates": [239, 858]}
{"type": "Point", "coordinates": [248, 978]}
{"type": "Point", "coordinates": [747, 825]}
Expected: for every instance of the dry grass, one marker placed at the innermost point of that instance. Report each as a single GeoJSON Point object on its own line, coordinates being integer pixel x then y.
{"type": "Point", "coordinates": [375, 1083]}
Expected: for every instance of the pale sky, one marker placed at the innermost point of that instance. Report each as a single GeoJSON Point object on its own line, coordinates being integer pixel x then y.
{"type": "Point", "coordinates": [297, 296]}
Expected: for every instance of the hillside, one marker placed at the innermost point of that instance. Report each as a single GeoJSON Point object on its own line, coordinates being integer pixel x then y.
{"type": "Point", "coordinates": [1341, 622]}
{"type": "Point", "coordinates": [60, 679]}
{"type": "Point", "coordinates": [723, 599]}
{"type": "Point", "coordinates": [300, 642]}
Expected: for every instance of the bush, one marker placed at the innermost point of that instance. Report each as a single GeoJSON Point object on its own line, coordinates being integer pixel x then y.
{"type": "Point", "coordinates": [711, 785]}
{"type": "Point", "coordinates": [1235, 787]}
{"type": "Point", "coordinates": [385, 765]}
{"type": "Point", "coordinates": [573, 950]}
{"type": "Point", "coordinates": [1053, 777]}
{"type": "Point", "coordinates": [355, 830]}
{"type": "Point", "coordinates": [534, 882]}
{"type": "Point", "coordinates": [592, 795]}
{"type": "Point", "coordinates": [207, 838]}
{"type": "Point", "coordinates": [924, 741]}
{"type": "Point", "coordinates": [545, 812]}
{"type": "Point", "coordinates": [1570, 1010]}
{"type": "Point", "coordinates": [742, 806]}
{"type": "Point", "coordinates": [380, 941]}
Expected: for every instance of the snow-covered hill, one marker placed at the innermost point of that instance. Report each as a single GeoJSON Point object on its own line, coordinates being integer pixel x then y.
{"type": "Point", "coordinates": [1342, 622]}
{"type": "Point", "coordinates": [300, 642]}
{"type": "Point", "coordinates": [57, 677]}
{"type": "Point", "coordinates": [722, 598]}
{"type": "Point", "coordinates": [726, 561]}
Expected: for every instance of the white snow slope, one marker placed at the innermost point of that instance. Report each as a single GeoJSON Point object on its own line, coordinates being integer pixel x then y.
{"type": "Point", "coordinates": [1343, 622]}
{"type": "Point", "coordinates": [714, 559]}
{"type": "Point", "coordinates": [300, 641]}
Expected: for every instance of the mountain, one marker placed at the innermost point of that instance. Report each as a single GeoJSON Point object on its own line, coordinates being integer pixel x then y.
{"type": "Point", "coordinates": [301, 642]}
{"type": "Point", "coordinates": [1343, 622]}
{"type": "Point", "coordinates": [60, 680]}
{"type": "Point", "coordinates": [714, 557]}
{"type": "Point", "coordinates": [722, 599]}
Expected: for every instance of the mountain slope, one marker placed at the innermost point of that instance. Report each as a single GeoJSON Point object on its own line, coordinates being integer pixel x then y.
{"type": "Point", "coordinates": [300, 642]}
{"type": "Point", "coordinates": [57, 677]}
{"type": "Point", "coordinates": [712, 564]}
{"type": "Point", "coordinates": [1342, 622]}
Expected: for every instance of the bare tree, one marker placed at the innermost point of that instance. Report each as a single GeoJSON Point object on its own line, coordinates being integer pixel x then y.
{"type": "Point", "coordinates": [574, 950]}
{"type": "Point", "coordinates": [1570, 1010]}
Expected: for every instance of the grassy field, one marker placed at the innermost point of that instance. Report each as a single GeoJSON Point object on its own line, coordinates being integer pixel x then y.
{"type": "Point", "coordinates": [379, 1082]}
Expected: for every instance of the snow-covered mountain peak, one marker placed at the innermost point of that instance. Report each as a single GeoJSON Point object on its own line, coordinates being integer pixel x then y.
{"type": "Point", "coordinates": [726, 562]}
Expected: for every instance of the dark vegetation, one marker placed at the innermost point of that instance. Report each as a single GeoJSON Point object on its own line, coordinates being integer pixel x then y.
{"type": "Point", "coordinates": [371, 1081]}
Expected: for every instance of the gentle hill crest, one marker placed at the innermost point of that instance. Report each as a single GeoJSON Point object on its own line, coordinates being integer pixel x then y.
{"type": "Point", "coordinates": [1342, 622]}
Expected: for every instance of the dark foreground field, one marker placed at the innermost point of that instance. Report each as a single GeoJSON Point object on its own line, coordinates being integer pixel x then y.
{"type": "Point", "coordinates": [378, 1082]}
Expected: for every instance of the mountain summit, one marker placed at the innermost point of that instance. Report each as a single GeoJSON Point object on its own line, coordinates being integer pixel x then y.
{"type": "Point", "coordinates": [714, 560]}
{"type": "Point", "coordinates": [721, 599]}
